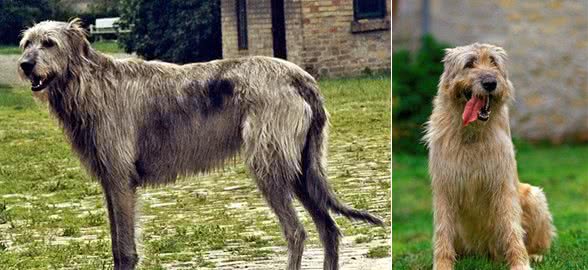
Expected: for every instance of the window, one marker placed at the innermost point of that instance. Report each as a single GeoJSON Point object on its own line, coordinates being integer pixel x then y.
{"type": "Point", "coordinates": [242, 24]}
{"type": "Point", "coordinates": [369, 9]}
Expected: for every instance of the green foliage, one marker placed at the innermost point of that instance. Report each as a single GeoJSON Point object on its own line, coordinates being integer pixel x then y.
{"type": "Point", "coordinates": [414, 84]}
{"type": "Point", "coordinates": [174, 31]}
{"type": "Point", "coordinates": [16, 15]}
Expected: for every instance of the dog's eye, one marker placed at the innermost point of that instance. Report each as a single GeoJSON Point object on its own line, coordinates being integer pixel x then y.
{"type": "Point", "coordinates": [26, 45]}
{"type": "Point", "coordinates": [48, 43]}
{"type": "Point", "coordinates": [470, 64]}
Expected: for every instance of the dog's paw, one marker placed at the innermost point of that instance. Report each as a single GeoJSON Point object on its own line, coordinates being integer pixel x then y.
{"type": "Point", "coordinates": [536, 258]}
{"type": "Point", "coordinates": [521, 267]}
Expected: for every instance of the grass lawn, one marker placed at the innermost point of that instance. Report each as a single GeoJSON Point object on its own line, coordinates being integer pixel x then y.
{"type": "Point", "coordinates": [52, 213]}
{"type": "Point", "coordinates": [9, 49]}
{"type": "Point", "coordinates": [106, 46]}
{"type": "Point", "coordinates": [562, 173]}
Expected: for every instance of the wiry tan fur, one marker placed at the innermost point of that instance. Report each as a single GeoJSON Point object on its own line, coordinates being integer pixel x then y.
{"type": "Point", "coordinates": [135, 123]}
{"type": "Point", "coordinates": [479, 205]}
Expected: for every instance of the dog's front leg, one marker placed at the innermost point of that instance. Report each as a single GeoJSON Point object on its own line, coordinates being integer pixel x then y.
{"type": "Point", "coordinates": [510, 230]}
{"type": "Point", "coordinates": [120, 199]}
{"type": "Point", "coordinates": [444, 235]}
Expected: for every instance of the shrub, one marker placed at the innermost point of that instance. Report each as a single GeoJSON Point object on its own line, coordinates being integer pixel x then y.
{"type": "Point", "coordinates": [174, 31]}
{"type": "Point", "coordinates": [414, 84]}
{"type": "Point", "coordinates": [17, 15]}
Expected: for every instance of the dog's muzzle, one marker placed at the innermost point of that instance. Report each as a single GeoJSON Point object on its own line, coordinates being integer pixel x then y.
{"type": "Point", "coordinates": [477, 107]}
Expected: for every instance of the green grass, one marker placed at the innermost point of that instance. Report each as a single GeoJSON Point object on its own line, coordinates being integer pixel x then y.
{"type": "Point", "coordinates": [562, 173]}
{"type": "Point", "coordinates": [9, 49]}
{"type": "Point", "coordinates": [106, 46]}
{"type": "Point", "coordinates": [52, 214]}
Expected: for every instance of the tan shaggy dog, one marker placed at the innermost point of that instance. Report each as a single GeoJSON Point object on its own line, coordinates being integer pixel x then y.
{"type": "Point", "coordinates": [480, 207]}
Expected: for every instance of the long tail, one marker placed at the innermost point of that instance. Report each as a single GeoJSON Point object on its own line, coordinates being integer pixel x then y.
{"type": "Point", "coordinates": [314, 179]}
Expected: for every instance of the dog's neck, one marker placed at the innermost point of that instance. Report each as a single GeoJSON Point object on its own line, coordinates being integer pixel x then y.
{"type": "Point", "coordinates": [74, 96]}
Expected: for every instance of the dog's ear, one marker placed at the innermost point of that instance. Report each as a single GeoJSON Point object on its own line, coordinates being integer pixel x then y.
{"type": "Point", "coordinates": [450, 65]}
{"type": "Point", "coordinates": [75, 22]}
{"type": "Point", "coordinates": [75, 26]}
{"type": "Point", "coordinates": [79, 34]}
{"type": "Point", "coordinates": [448, 54]}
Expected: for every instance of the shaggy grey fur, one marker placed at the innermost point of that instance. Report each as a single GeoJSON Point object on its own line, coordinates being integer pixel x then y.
{"type": "Point", "coordinates": [135, 123]}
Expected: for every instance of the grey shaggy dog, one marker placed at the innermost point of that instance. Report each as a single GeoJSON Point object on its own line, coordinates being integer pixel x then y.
{"type": "Point", "coordinates": [137, 123]}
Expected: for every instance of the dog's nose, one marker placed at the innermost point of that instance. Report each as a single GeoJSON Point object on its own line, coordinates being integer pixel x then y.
{"type": "Point", "coordinates": [27, 66]}
{"type": "Point", "coordinates": [489, 84]}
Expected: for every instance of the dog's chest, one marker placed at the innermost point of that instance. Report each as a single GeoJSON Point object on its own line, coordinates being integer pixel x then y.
{"type": "Point", "coordinates": [472, 173]}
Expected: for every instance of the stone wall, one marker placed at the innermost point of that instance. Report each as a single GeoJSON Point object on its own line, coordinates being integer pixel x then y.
{"type": "Point", "coordinates": [548, 47]}
{"type": "Point", "coordinates": [294, 34]}
{"type": "Point", "coordinates": [319, 36]}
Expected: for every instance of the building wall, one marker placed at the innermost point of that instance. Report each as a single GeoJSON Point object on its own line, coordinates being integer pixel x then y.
{"type": "Point", "coordinates": [259, 31]}
{"type": "Point", "coordinates": [318, 36]}
{"type": "Point", "coordinates": [330, 46]}
{"type": "Point", "coordinates": [294, 34]}
{"type": "Point", "coordinates": [548, 47]}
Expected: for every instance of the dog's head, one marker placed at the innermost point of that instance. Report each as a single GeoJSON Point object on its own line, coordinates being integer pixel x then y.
{"type": "Point", "coordinates": [476, 79]}
{"type": "Point", "coordinates": [49, 48]}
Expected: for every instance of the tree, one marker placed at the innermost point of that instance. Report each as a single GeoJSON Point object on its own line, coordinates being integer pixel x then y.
{"type": "Point", "coordinates": [17, 15]}
{"type": "Point", "coordinates": [176, 31]}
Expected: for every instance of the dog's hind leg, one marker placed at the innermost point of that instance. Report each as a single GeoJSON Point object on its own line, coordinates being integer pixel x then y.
{"type": "Point", "coordinates": [314, 193]}
{"type": "Point", "coordinates": [120, 200]}
{"type": "Point", "coordinates": [327, 228]}
{"type": "Point", "coordinates": [279, 199]}
{"type": "Point", "coordinates": [272, 140]}
{"type": "Point", "coordinates": [537, 221]}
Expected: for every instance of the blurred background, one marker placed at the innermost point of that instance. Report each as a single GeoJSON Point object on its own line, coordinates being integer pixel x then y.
{"type": "Point", "coordinates": [547, 42]}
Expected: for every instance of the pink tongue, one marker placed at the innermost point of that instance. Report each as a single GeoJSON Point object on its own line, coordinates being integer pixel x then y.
{"type": "Point", "coordinates": [472, 108]}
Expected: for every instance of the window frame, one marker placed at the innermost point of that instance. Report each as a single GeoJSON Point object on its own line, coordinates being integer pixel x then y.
{"type": "Point", "coordinates": [242, 35]}
{"type": "Point", "coordinates": [380, 14]}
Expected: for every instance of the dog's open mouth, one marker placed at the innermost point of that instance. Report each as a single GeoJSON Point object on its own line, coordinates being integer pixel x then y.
{"type": "Point", "coordinates": [477, 107]}
{"type": "Point", "coordinates": [39, 83]}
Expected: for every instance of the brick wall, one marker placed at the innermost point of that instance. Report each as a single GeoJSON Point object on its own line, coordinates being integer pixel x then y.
{"type": "Point", "coordinates": [330, 47]}
{"type": "Point", "coordinates": [294, 34]}
{"type": "Point", "coordinates": [319, 36]}
{"type": "Point", "coordinates": [259, 31]}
